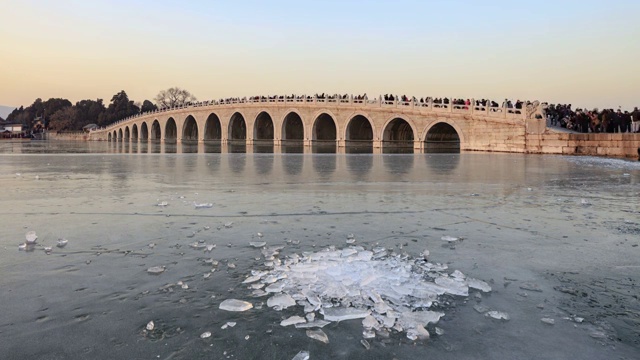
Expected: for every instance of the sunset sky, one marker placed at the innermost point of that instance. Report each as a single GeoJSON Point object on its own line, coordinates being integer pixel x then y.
{"type": "Point", "coordinates": [582, 52]}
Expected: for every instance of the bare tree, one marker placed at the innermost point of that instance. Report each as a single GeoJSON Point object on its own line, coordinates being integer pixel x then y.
{"type": "Point", "coordinates": [173, 97]}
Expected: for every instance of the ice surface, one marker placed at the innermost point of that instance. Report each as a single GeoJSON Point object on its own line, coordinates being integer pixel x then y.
{"type": "Point", "coordinates": [235, 305]}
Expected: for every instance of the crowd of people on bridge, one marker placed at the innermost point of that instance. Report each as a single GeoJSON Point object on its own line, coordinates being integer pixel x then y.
{"type": "Point", "coordinates": [561, 115]}
{"type": "Point", "coordinates": [593, 121]}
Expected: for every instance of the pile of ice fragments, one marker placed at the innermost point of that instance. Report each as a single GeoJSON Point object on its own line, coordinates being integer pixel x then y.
{"type": "Point", "coordinates": [388, 291]}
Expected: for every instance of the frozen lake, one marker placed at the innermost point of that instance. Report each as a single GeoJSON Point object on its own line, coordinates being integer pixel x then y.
{"type": "Point", "coordinates": [556, 238]}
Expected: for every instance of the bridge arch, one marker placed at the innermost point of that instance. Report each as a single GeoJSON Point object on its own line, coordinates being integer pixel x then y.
{"type": "Point", "coordinates": [115, 135]}
{"type": "Point", "coordinates": [144, 131]}
{"type": "Point", "coordinates": [171, 130]}
{"type": "Point", "coordinates": [237, 127]}
{"type": "Point", "coordinates": [292, 127]}
{"type": "Point", "coordinates": [120, 134]}
{"type": "Point", "coordinates": [109, 136]}
{"type": "Point", "coordinates": [359, 128]}
{"type": "Point", "coordinates": [190, 129]}
{"type": "Point", "coordinates": [399, 130]}
{"type": "Point", "coordinates": [127, 133]}
{"type": "Point", "coordinates": [443, 136]}
{"type": "Point", "coordinates": [134, 132]}
{"type": "Point", "coordinates": [324, 127]}
{"type": "Point", "coordinates": [263, 127]}
{"type": "Point", "coordinates": [212, 128]}
{"type": "Point", "coordinates": [156, 131]}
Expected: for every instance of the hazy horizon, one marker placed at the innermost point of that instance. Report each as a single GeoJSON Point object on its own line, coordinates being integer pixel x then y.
{"type": "Point", "coordinates": [579, 52]}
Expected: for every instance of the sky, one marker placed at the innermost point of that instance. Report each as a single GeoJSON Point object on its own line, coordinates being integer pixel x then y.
{"type": "Point", "coordinates": [586, 52]}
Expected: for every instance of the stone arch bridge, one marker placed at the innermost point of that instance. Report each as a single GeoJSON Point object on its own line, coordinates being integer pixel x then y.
{"type": "Point", "coordinates": [309, 120]}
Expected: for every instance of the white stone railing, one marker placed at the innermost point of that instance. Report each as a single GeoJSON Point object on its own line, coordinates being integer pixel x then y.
{"type": "Point", "coordinates": [339, 100]}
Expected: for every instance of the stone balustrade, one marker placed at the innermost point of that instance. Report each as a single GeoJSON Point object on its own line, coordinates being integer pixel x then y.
{"type": "Point", "coordinates": [427, 106]}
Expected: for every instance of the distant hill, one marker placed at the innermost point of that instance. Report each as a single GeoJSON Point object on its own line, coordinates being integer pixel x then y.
{"type": "Point", "coordinates": [5, 111]}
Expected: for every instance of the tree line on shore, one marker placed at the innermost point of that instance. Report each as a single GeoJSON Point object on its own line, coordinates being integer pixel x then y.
{"type": "Point", "coordinates": [57, 114]}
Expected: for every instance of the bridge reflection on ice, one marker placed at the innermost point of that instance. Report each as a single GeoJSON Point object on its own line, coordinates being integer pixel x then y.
{"type": "Point", "coordinates": [286, 147]}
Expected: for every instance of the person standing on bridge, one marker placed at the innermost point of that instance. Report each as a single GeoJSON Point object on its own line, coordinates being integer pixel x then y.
{"type": "Point", "coordinates": [626, 122]}
{"type": "Point", "coordinates": [635, 120]}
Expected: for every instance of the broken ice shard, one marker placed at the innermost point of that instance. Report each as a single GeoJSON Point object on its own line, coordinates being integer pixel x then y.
{"type": "Point", "coordinates": [31, 237]}
{"type": "Point", "coordinates": [302, 355]}
{"type": "Point", "coordinates": [293, 321]}
{"type": "Point", "coordinates": [235, 305]}
{"type": "Point", "coordinates": [203, 205]}
{"type": "Point", "coordinates": [281, 301]}
{"type": "Point", "coordinates": [318, 335]}
{"type": "Point", "coordinates": [341, 314]}
{"type": "Point", "coordinates": [498, 315]}
{"type": "Point", "coordinates": [156, 270]}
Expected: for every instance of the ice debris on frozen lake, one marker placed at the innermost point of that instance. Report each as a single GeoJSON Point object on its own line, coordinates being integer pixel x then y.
{"type": "Point", "coordinates": [318, 335]}
{"type": "Point", "coordinates": [302, 355]}
{"type": "Point", "coordinates": [162, 204]}
{"type": "Point", "coordinates": [235, 305]}
{"type": "Point", "coordinates": [548, 321]}
{"type": "Point", "coordinates": [389, 291]}
{"type": "Point", "coordinates": [203, 205]}
{"type": "Point", "coordinates": [62, 243]}
{"type": "Point", "coordinates": [498, 315]}
{"type": "Point", "coordinates": [450, 238]}
{"type": "Point", "coordinates": [228, 325]}
{"type": "Point", "coordinates": [31, 237]}
{"type": "Point", "coordinates": [293, 321]}
{"type": "Point", "coordinates": [156, 270]}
